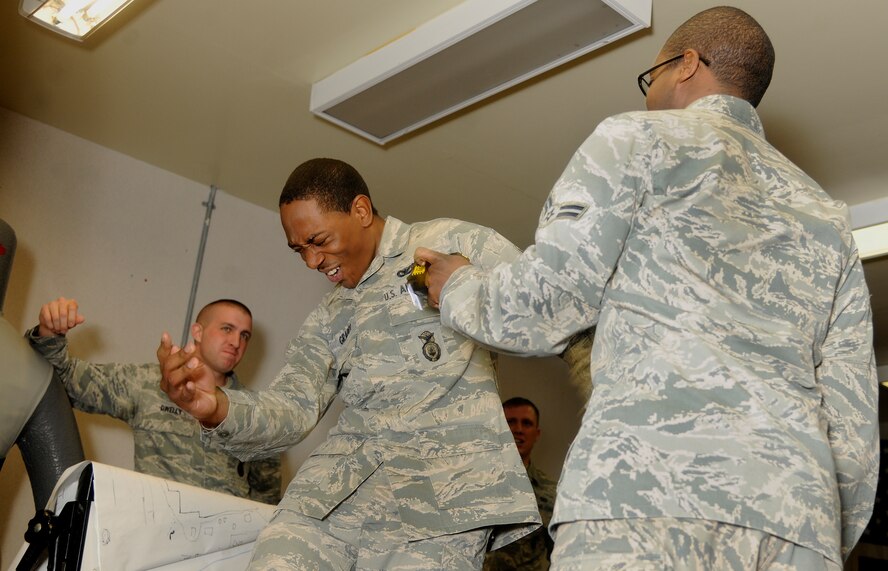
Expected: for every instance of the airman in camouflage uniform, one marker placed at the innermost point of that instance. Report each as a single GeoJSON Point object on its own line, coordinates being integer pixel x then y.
{"type": "Point", "coordinates": [531, 552]}
{"type": "Point", "coordinates": [421, 466]}
{"type": "Point", "coordinates": [166, 439]}
{"type": "Point", "coordinates": [733, 372]}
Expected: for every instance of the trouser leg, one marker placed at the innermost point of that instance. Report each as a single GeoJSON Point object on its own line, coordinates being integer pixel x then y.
{"type": "Point", "coordinates": [294, 541]}
{"type": "Point", "coordinates": [363, 533]}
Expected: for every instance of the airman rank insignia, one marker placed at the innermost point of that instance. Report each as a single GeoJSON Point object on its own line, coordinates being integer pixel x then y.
{"type": "Point", "coordinates": [562, 211]}
{"type": "Point", "coordinates": [430, 349]}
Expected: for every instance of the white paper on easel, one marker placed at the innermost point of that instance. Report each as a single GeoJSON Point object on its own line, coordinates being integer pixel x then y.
{"type": "Point", "coordinates": [140, 522]}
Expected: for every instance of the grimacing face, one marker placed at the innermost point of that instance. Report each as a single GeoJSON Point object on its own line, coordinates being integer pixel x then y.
{"type": "Point", "coordinates": [222, 336]}
{"type": "Point", "coordinates": [333, 243]}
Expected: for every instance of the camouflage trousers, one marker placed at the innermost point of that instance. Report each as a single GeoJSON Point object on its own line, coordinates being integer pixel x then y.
{"type": "Point", "coordinates": [661, 544]}
{"type": "Point", "coordinates": [364, 532]}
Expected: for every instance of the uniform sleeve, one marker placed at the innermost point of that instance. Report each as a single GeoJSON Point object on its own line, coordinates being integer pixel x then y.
{"type": "Point", "coordinates": [261, 423]}
{"type": "Point", "coordinates": [534, 304]}
{"type": "Point", "coordinates": [265, 480]}
{"type": "Point", "coordinates": [848, 381]}
{"type": "Point", "coordinates": [484, 247]}
{"type": "Point", "coordinates": [98, 388]}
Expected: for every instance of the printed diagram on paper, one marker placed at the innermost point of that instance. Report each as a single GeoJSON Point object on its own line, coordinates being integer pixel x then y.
{"type": "Point", "coordinates": [142, 522]}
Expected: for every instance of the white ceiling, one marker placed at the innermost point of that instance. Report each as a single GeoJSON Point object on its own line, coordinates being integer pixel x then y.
{"type": "Point", "coordinates": [217, 91]}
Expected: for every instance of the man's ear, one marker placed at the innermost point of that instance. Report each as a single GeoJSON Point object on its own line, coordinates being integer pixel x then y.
{"type": "Point", "coordinates": [363, 209]}
{"type": "Point", "coordinates": [196, 331]}
{"type": "Point", "coordinates": [690, 64]}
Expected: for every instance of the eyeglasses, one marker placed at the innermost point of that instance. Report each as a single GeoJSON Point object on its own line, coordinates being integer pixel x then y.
{"type": "Point", "coordinates": [644, 83]}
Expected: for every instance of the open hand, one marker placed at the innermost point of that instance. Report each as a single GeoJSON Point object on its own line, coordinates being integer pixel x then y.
{"type": "Point", "coordinates": [189, 383]}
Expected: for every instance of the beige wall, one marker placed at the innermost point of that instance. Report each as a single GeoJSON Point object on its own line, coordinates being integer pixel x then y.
{"type": "Point", "coordinates": [121, 237]}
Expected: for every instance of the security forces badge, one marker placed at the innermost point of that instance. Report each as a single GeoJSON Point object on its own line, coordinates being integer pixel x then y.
{"type": "Point", "coordinates": [430, 349]}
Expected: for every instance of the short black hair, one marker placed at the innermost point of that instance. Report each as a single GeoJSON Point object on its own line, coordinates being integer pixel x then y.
{"type": "Point", "coordinates": [739, 51]}
{"type": "Point", "coordinates": [333, 183]}
{"type": "Point", "coordinates": [521, 401]}
{"type": "Point", "coordinates": [203, 311]}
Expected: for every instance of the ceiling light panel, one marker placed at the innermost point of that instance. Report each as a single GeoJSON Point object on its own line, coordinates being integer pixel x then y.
{"type": "Point", "coordinates": [75, 19]}
{"type": "Point", "coordinates": [471, 52]}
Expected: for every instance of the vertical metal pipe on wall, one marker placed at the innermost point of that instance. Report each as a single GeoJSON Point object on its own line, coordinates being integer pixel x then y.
{"type": "Point", "coordinates": [210, 204]}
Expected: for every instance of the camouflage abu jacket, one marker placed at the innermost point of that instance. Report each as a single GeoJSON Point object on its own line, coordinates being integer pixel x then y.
{"type": "Point", "coordinates": [732, 366]}
{"type": "Point", "coordinates": [534, 551]}
{"type": "Point", "coordinates": [421, 400]}
{"type": "Point", "coordinates": [166, 439]}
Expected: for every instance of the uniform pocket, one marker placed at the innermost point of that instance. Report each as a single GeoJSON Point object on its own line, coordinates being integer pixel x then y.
{"type": "Point", "coordinates": [324, 464]}
{"type": "Point", "coordinates": [424, 342]}
{"type": "Point", "coordinates": [465, 466]}
{"type": "Point", "coordinates": [333, 471]}
{"type": "Point", "coordinates": [453, 467]}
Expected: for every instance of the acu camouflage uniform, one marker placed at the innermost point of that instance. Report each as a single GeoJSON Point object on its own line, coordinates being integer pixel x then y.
{"type": "Point", "coordinates": [531, 552]}
{"type": "Point", "coordinates": [732, 367]}
{"type": "Point", "coordinates": [166, 439]}
{"type": "Point", "coordinates": [421, 401]}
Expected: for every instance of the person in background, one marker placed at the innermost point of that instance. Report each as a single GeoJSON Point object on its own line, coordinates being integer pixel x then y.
{"type": "Point", "coordinates": [421, 471]}
{"type": "Point", "coordinates": [733, 422]}
{"type": "Point", "coordinates": [531, 552]}
{"type": "Point", "coordinates": [166, 439]}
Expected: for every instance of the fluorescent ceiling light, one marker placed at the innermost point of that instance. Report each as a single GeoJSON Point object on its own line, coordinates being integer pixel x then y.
{"type": "Point", "coordinates": [872, 241]}
{"type": "Point", "coordinates": [75, 19]}
{"type": "Point", "coordinates": [476, 49]}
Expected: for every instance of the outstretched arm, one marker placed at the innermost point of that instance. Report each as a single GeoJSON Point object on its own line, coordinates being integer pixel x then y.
{"type": "Point", "coordinates": [554, 290]}
{"type": "Point", "coordinates": [100, 388]}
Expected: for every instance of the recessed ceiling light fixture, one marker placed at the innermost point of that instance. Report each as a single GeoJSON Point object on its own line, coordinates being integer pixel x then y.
{"type": "Point", "coordinates": [476, 49]}
{"type": "Point", "coordinates": [75, 19]}
{"type": "Point", "coordinates": [869, 221]}
{"type": "Point", "coordinates": [872, 241]}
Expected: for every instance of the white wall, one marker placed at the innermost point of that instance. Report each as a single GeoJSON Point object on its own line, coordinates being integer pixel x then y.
{"type": "Point", "coordinates": [121, 237]}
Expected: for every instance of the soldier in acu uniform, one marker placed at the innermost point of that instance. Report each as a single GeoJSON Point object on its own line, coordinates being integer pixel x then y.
{"type": "Point", "coordinates": [166, 439]}
{"type": "Point", "coordinates": [421, 471]}
{"type": "Point", "coordinates": [733, 421]}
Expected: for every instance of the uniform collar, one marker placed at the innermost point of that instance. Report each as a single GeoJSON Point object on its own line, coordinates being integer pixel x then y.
{"type": "Point", "coordinates": [231, 381]}
{"type": "Point", "coordinates": [394, 239]}
{"type": "Point", "coordinates": [395, 236]}
{"type": "Point", "coordinates": [738, 109]}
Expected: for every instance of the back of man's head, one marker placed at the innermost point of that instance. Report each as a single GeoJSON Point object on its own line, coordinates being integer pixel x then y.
{"type": "Point", "coordinates": [739, 51]}
{"type": "Point", "coordinates": [333, 183]}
